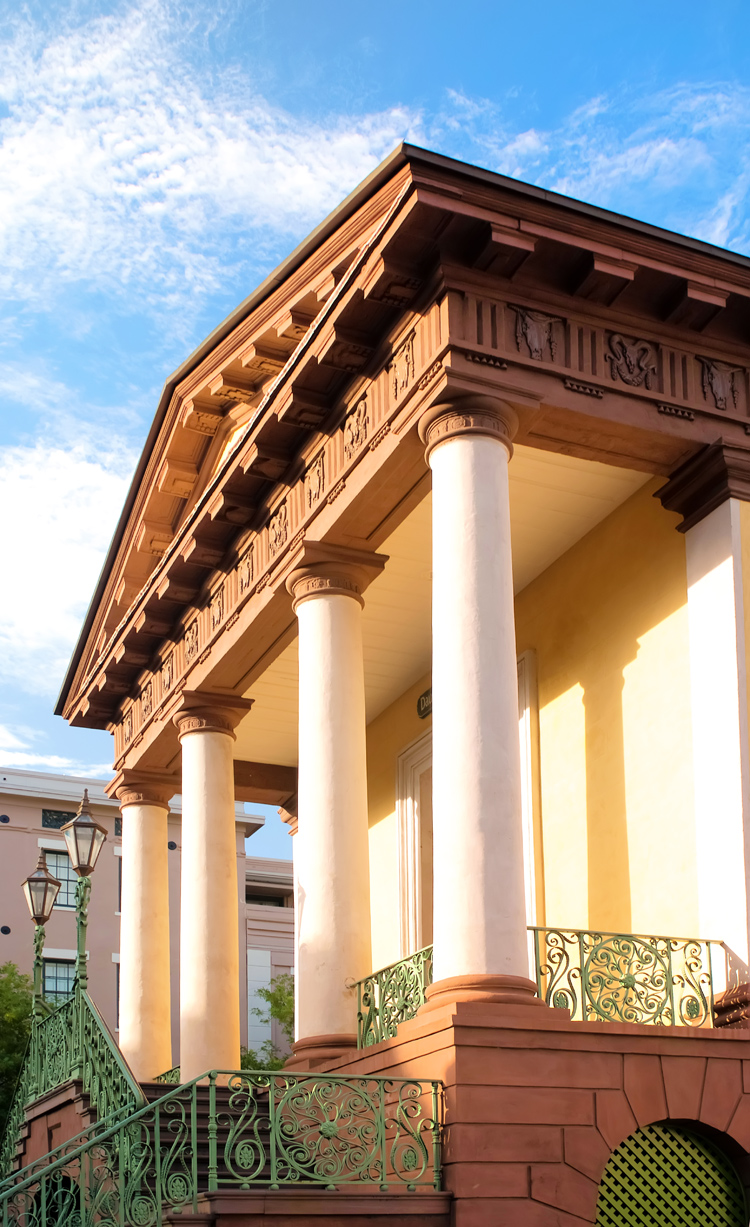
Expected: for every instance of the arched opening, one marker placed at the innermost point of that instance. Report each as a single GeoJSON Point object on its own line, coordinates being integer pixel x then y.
{"type": "Point", "coordinates": [670, 1175]}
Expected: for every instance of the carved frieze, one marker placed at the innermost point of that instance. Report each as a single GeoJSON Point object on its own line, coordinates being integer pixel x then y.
{"type": "Point", "coordinates": [537, 332]}
{"type": "Point", "coordinates": [584, 389]}
{"type": "Point", "coordinates": [402, 367]}
{"type": "Point", "coordinates": [147, 700]}
{"type": "Point", "coordinates": [127, 727]}
{"type": "Point", "coordinates": [631, 360]}
{"type": "Point", "coordinates": [278, 530]}
{"type": "Point", "coordinates": [718, 380]}
{"type": "Point", "coordinates": [167, 673]}
{"type": "Point", "coordinates": [191, 641]}
{"type": "Point", "coordinates": [355, 429]}
{"type": "Point", "coordinates": [217, 609]}
{"type": "Point", "coordinates": [315, 481]}
{"type": "Point", "coordinates": [336, 491]}
{"type": "Point", "coordinates": [245, 571]}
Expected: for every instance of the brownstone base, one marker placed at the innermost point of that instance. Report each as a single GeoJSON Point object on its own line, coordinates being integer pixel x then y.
{"type": "Point", "coordinates": [535, 1103]}
{"type": "Point", "coordinates": [732, 1009]}
{"type": "Point", "coordinates": [298, 1207]}
{"type": "Point", "coordinates": [317, 1050]}
{"type": "Point", "coordinates": [488, 990]}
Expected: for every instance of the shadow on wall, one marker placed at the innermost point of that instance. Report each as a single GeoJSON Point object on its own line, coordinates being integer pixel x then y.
{"type": "Point", "coordinates": [608, 624]}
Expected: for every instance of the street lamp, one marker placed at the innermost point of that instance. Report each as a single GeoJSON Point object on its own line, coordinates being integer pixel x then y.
{"type": "Point", "coordinates": [41, 890]}
{"type": "Point", "coordinates": [84, 838]}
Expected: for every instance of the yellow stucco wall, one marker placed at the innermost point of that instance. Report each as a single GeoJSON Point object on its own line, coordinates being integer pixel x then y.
{"type": "Point", "coordinates": [608, 624]}
{"type": "Point", "coordinates": [390, 733]}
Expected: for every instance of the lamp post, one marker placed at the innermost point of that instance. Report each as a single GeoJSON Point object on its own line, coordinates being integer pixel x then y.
{"type": "Point", "coordinates": [41, 891]}
{"type": "Point", "coordinates": [84, 838]}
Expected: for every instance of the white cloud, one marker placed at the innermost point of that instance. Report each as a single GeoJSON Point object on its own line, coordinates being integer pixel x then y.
{"type": "Point", "coordinates": [58, 507]}
{"type": "Point", "coordinates": [14, 752]}
{"type": "Point", "coordinates": [121, 167]}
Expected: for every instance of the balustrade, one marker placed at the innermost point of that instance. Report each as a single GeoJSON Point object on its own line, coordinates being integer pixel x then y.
{"type": "Point", "coordinates": [613, 977]}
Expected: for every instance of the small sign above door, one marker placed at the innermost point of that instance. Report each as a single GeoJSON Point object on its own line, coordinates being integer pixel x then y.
{"type": "Point", "coordinates": [424, 704]}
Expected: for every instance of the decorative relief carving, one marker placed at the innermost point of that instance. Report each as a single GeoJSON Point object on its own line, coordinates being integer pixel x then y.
{"type": "Point", "coordinates": [474, 422]}
{"type": "Point", "coordinates": [675, 411]}
{"type": "Point", "coordinates": [377, 438]}
{"type": "Point", "coordinates": [336, 491]}
{"type": "Point", "coordinates": [401, 367]}
{"type": "Point", "coordinates": [147, 700]}
{"type": "Point", "coordinates": [217, 609]}
{"type": "Point", "coordinates": [232, 621]}
{"type": "Point", "coordinates": [585, 389]}
{"type": "Point", "coordinates": [335, 585]}
{"type": "Point", "coordinates": [485, 359]}
{"type": "Point", "coordinates": [355, 429]}
{"type": "Point", "coordinates": [167, 673]}
{"type": "Point", "coordinates": [245, 570]}
{"type": "Point", "coordinates": [315, 480]}
{"type": "Point", "coordinates": [718, 379]}
{"type": "Point", "coordinates": [278, 530]}
{"type": "Point", "coordinates": [204, 656]}
{"type": "Point", "coordinates": [537, 331]}
{"type": "Point", "coordinates": [127, 727]}
{"type": "Point", "coordinates": [430, 375]}
{"type": "Point", "coordinates": [191, 641]}
{"type": "Point", "coordinates": [633, 361]}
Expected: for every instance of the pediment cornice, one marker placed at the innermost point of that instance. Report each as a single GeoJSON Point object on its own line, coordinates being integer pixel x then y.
{"type": "Point", "coordinates": [435, 281]}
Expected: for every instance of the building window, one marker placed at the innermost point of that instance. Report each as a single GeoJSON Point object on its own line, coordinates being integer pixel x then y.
{"type": "Point", "coordinates": [58, 977]}
{"type": "Point", "coordinates": [53, 819]}
{"type": "Point", "coordinates": [117, 991]}
{"type": "Point", "coordinates": [265, 900]}
{"type": "Point", "coordinates": [119, 883]}
{"type": "Point", "coordinates": [118, 828]}
{"type": "Point", "coordinates": [59, 865]}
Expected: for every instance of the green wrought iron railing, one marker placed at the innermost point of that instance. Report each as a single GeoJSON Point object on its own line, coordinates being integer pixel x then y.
{"type": "Point", "coordinates": [614, 977]}
{"type": "Point", "coordinates": [171, 1077]}
{"type": "Point", "coordinates": [234, 1130]}
{"type": "Point", "coordinates": [71, 1042]}
{"type": "Point", "coordinates": [625, 977]}
{"type": "Point", "coordinates": [391, 996]}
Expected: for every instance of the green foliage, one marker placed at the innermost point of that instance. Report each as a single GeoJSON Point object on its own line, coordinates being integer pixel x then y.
{"type": "Point", "coordinates": [16, 999]}
{"type": "Point", "coordinates": [279, 998]}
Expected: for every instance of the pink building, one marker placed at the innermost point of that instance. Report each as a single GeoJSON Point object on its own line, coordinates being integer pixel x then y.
{"type": "Point", "coordinates": [33, 808]}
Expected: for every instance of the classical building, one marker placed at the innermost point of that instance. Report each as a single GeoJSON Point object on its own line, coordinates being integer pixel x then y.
{"type": "Point", "coordinates": [441, 542]}
{"type": "Point", "coordinates": [34, 805]}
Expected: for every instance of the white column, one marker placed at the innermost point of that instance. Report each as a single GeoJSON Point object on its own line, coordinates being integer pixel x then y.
{"type": "Point", "coordinates": [331, 844]}
{"type": "Point", "coordinates": [209, 916]}
{"type": "Point", "coordinates": [479, 891]}
{"type": "Point", "coordinates": [716, 622]}
{"type": "Point", "coordinates": [145, 1010]}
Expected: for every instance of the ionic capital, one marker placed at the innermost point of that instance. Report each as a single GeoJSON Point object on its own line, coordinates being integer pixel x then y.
{"type": "Point", "coordinates": [143, 788]}
{"type": "Point", "coordinates": [209, 712]}
{"type": "Point", "coordinates": [330, 570]}
{"type": "Point", "coordinates": [468, 415]}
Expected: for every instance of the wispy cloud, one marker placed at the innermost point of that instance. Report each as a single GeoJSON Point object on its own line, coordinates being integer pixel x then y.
{"type": "Point", "coordinates": [58, 508]}
{"type": "Point", "coordinates": [15, 751]}
{"type": "Point", "coordinates": [121, 168]}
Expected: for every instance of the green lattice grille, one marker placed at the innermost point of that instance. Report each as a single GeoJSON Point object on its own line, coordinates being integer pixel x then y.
{"type": "Point", "coordinates": [669, 1177]}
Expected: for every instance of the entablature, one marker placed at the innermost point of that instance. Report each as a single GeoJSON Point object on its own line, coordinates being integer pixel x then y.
{"type": "Point", "coordinates": [313, 407]}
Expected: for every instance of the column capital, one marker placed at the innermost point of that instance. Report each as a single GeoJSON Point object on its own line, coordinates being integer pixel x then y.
{"type": "Point", "coordinates": [705, 481]}
{"type": "Point", "coordinates": [209, 711]}
{"type": "Point", "coordinates": [332, 570]}
{"type": "Point", "coordinates": [468, 415]}
{"type": "Point", "coordinates": [143, 788]}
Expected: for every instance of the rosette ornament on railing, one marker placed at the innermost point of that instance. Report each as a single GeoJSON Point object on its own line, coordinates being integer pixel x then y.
{"type": "Point", "coordinates": [256, 1129]}
{"type": "Point", "coordinates": [390, 996]}
{"type": "Point", "coordinates": [625, 977]}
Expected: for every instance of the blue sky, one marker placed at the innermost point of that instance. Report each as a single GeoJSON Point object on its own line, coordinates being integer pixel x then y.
{"type": "Point", "coordinates": [158, 158]}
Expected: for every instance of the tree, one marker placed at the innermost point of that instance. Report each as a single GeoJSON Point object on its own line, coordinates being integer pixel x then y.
{"type": "Point", "coordinates": [16, 999]}
{"type": "Point", "coordinates": [279, 998]}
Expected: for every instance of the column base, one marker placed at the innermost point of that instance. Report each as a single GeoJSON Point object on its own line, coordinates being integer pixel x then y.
{"type": "Point", "coordinates": [484, 989]}
{"type": "Point", "coordinates": [317, 1050]}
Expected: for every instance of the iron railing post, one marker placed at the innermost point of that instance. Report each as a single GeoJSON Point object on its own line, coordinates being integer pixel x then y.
{"type": "Point", "coordinates": [213, 1159]}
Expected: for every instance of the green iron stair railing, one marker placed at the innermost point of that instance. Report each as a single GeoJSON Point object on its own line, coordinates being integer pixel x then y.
{"type": "Point", "coordinates": [613, 977]}
{"type": "Point", "coordinates": [234, 1130]}
{"type": "Point", "coordinates": [70, 1042]}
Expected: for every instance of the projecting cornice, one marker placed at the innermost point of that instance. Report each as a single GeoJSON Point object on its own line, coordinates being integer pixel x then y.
{"type": "Point", "coordinates": [704, 482]}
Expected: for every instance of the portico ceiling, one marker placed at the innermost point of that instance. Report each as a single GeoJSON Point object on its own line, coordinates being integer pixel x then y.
{"type": "Point", "coordinates": [555, 500]}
